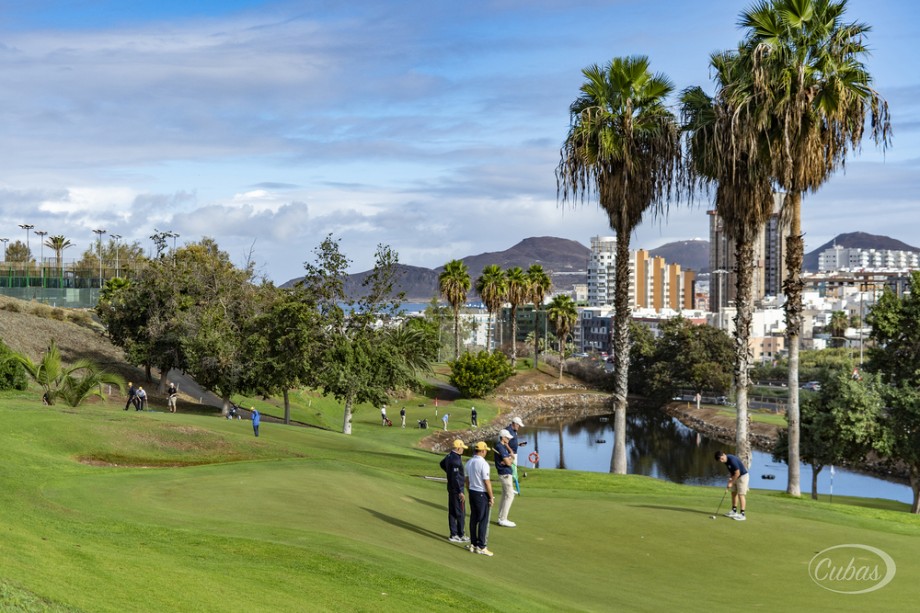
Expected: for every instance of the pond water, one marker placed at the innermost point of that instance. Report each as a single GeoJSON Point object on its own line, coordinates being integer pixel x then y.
{"type": "Point", "coordinates": [660, 446]}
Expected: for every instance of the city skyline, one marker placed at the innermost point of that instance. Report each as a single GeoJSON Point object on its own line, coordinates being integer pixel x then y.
{"type": "Point", "coordinates": [429, 127]}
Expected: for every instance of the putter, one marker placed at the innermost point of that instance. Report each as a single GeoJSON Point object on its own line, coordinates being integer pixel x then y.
{"type": "Point", "coordinates": [720, 505]}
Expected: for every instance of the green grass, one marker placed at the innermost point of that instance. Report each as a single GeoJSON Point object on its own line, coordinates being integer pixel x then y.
{"type": "Point", "coordinates": [106, 510]}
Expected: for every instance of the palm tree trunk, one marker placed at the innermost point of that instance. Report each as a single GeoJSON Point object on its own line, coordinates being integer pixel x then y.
{"type": "Point", "coordinates": [489, 335]}
{"type": "Point", "coordinates": [915, 488]}
{"type": "Point", "coordinates": [795, 252]}
{"type": "Point", "coordinates": [815, 469]}
{"type": "Point", "coordinates": [346, 422]}
{"type": "Point", "coordinates": [744, 304]}
{"type": "Point", "coordinates": [621, 316]}
{"type": "Point", "coordinates": [513, 335]}
{"type": "Point", "coordinates": [457, 332]}
{"type": "Point", "coordinates": [287, 406]}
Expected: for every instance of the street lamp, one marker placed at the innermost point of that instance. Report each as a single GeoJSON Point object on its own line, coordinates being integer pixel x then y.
{"type": "Point", "coordinates": [174, 236]}
{"type": "Point", "coordinates": [41, 258]}
{"type": "Point", "coordinates": [4, 241]}
{"type": "Point", "coordinates": [116, 238]}
{"type": "Point", "coordinates": [27, 227]}
{"type": "Point", "coordinates": [99, 234]}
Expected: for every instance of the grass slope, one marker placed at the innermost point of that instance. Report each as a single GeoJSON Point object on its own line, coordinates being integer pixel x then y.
{"type": "Point", "coordinates": [106, 510]}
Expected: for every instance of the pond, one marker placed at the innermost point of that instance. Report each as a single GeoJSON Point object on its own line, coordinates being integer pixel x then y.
{"type": "Point", "coordinates": [660, 446]}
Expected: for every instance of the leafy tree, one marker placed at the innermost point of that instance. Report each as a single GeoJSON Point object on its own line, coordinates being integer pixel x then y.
{"type": "Point", "coordinates": [895, 357]}
{"type": "Point", "coordinates": [476, 375]}
{"type": "Point", "coordinates": [17, 251]}
{"type": "Point", "coordinates": [562, 317]}
{"type": "Point", "coordinates": [812, 93]}
{"type": "Point", "coordinates": [623, 146]}
{"type": "Point", "coordinates": [73, 384]}
{"type": "Point", "coordinates": [362, 357]}
{"type": "Point", "coordinates": [840, 423]}
{"type": "Point", "coordinates": [491, 288]}
{"type": "Point", "coordinates": [540, 284]}
{"type": "Point", "coordinates": [516, 292]}
{"type": "Point", "coordinates": [454, 283]}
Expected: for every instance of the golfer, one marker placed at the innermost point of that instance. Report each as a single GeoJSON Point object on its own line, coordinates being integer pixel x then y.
{"type": "Point", "coordinates": [256, 418]}
{"type": "Point", "coordinates": [737, 483]}
{"type": "Point", "coordinates": [452, 464]}
{"type": "Point", "coordinates": [504, 460]}
{"type": "Point", "coordinates": [481, 498]}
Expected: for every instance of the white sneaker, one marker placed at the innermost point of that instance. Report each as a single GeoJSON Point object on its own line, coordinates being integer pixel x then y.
{"type": "Point", "coordinates": [731, 514]}
{"type": "Point", "coordinates": [464, 539]}
{"type": "Point", "coordinates": [740, 517]}
{"type": "Point", "coordinates": [455, 539]}
{"type": "Point", "coordinates": [485, 552]}
{"type": "Point", "coordinates": [507, 524]}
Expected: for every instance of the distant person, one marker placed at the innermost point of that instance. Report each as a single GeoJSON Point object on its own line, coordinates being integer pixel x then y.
{"type": "Point", "coordinates": [737, 483]}
{"type": "Point", "coordinates": [452, 465]}
{"type": "Point", "coordinates": [444, 419]}
{"type": "Point", "coordinates": [504, 460]}
{"type": "Point", "coordinates": [172, 394]}
{"type": "Point", "coordinates": [140, 399]}
{"type": "Point", "coordinates": [132, 393]}
{"type": "Point", "coordinates": [474, 420]}
{"type": "Point", "coordinates": [256, 418]}
{"type": "Point", "coordinates": [481, 498]}
{"type": "Point", "coordinates": [402, 416]}
{"type": "Point", "coordinates": [383, 415]}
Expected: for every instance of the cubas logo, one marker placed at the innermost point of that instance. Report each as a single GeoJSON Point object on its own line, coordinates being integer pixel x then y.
{"type": "Point", "coordinates": [852, 569]}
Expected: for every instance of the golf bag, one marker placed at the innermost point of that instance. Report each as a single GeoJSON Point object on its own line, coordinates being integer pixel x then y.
{"type": "Point", "coordinates": [423, 424]}
{"type": "Point", "coordinates": [387, 421]}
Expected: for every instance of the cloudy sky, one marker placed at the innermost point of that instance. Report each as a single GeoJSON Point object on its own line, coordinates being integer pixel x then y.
{"type": "Point", "coordinates": [430, 126]}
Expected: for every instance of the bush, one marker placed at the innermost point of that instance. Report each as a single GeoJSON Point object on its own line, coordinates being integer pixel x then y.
{"type": "Point", "coordinates": [58, 314]}
{"type": "Point", "coordinates": [12, 374]}
{"type": "Point", "coordinates": [477, 374]}
{"type": "Point", "coordinates": [12, 307]}
{"type": "Point", "coordinates": [42, 310]}
{"type": "Point", "coordinates": [81, 318]}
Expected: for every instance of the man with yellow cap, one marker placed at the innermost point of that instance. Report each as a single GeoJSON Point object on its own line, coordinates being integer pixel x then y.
{"type": "Point", "coordinates": [481, 498]}
{"type": "Point", "coordinates": [452, 465]}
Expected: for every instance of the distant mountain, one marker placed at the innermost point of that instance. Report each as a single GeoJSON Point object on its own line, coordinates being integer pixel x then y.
{"type": "Point", "coordinates": [692, 254]}
{"type": "Point", "coordinates": [856, 240]}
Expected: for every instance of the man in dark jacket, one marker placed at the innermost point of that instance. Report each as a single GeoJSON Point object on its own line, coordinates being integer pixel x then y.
{"type": "Point", "coordinates": [452, 464]}
{"type": "Point", "coordinates": [132, 392]}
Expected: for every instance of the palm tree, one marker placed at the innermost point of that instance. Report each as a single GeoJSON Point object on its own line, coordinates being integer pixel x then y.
{"type": "Point", "coordinates": [516, 292]}
{"type": "Point", "coordinates": [623, 146]}
{"type": "Point", "coordinates": [838, 327]}
{"type": "Point", "coordinates": [813, 94]}
{"type": "Point", "coordinates": [58, 244]}
{"type": "Point", "coordinates": [491, 288]}
{"type": "Point", "coordinates": [74, 383]}
{"type": "Point", "coordinates": [454, 283]}
{"type": "Point", "coordinates": [725, 149]}
{"type": "Point", "coordinates": [562, 317]}
{"type": "Point", "coordinates": [540, 285]}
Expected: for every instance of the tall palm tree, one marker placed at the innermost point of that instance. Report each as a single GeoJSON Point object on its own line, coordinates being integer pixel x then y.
{"type": "Point", "coordinates": [838, 327]}
{"type": "Point", "coordinates": [491, 288]}
{"type": "Point", "coordinates": [517, 290]}
{"type": "Point", "coordinates": [623, 146]}
{"type": "Point", "coordinates": [454, 283]}
{"type": "Point", "coordinates": [813, 93]}
{"type": "Point", "coordinates": [562, 317]}
{"type": "Point", "coordinates": [540, 285]}
{"type": "Point", "coordinates": [58, 244]}
{"type": "Point", "coordinates": [725, 149]}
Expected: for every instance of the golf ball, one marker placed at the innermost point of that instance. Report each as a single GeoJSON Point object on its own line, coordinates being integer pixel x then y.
{"type": "Point", "coordinates": [712, 517]}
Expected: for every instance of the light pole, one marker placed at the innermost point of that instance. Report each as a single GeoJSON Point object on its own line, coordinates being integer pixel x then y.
{"type": "Point", "coordinates": [174, 236]}
{"type": "Point", "coordinates": [116, 238]}
{"type": "Point", "coordinates": [99, 234]}
{"type": "Point", "coordinates": [4, 241]}
{"type": "Point", "coordinates": [41, 249]}
{"type": "Point", "coordinates": [27, 227]}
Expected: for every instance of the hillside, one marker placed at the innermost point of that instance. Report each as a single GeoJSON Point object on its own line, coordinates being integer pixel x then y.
{"type": "Point", "coordinates": [691, 254]}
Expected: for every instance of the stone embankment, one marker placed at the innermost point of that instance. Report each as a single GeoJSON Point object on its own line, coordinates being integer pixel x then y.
{"type": "Point", "coordinates": [530, 402]}
{"type": "Point", "coordinates": [762, 439]}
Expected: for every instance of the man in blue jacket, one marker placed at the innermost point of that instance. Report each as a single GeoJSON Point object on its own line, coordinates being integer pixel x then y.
{"type": "Point", "coordinates": [452, 465]}
{"type": "Point", "coordinates": [256, 418]}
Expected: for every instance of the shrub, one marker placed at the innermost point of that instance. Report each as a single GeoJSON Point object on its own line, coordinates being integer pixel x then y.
{"type": "Point", "coordinates": [477, 374]}
{"type": "Point", "coordinates": [82, 318]}
{"type": "Point", "coordinates": [12, 373]}
{"type": "Point", "coordinates": [58, 314]}
{"type": "Point", "coordinates": [42, 310]}
{"type": "Point", "coordinates": [13, 307]}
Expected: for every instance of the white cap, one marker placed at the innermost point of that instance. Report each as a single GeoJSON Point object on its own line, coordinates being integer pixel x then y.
{"type": "Point", "coordinates": [505, 434]}
{"type": "Point", "coordinates": [518, 421]}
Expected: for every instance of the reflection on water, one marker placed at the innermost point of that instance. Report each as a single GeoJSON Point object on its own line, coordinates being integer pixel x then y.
{"type": "Point", "coordinates": [660, 446]}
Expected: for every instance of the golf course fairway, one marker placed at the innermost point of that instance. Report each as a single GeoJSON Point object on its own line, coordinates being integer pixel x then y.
{"type": "Point", "coordinates": [106, 510]}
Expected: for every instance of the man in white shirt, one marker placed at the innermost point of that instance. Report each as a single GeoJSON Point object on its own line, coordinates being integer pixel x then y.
{"type": "Point", "coordinates": [480, 497]}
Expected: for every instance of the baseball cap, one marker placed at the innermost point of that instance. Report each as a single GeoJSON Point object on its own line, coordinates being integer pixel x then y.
{"type": "Point", "coordinates": [458, 444]}
{"type": "Point", "coordinates": [505, 434]}
{"type": "Point", "coordinates": [518, 421]}
{"type": "Point", "coordinates": [480, 446]}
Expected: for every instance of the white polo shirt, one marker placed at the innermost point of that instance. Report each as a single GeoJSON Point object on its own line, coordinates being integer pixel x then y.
{"type": "Point", "coordinates": [477, 471]}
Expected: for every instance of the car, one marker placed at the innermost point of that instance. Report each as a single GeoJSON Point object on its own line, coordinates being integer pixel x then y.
{"type": "Point", "coordinates": [813, 386]}
{"type": "Point", "coordinates": [580, 355]}
{"type": "Point", "coordinates": [723, 400]}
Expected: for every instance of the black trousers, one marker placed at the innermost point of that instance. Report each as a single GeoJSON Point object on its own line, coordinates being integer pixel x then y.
{"type": "Point", "coordinates": [479, 518]}
{"type": "Point", "coordinates": [456, 513]}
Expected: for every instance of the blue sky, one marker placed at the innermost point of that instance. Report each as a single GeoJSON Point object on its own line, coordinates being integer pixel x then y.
{"type": "Point", "coordinates": [430, 126]}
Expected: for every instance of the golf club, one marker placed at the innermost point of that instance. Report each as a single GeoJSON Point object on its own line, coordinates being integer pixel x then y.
{"type": "Point", "coordinates": [720, 505]}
